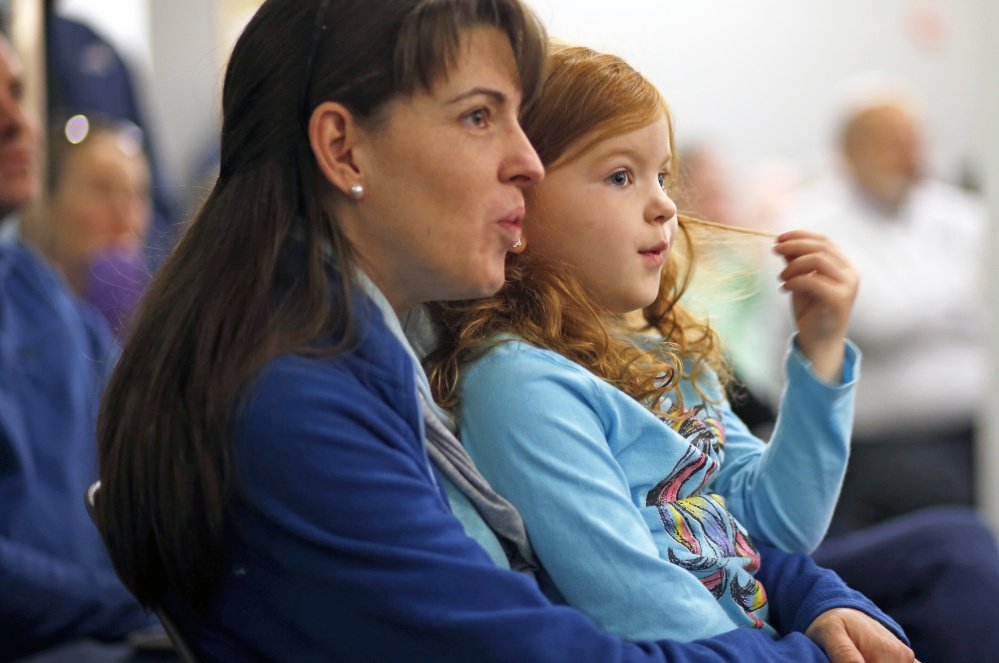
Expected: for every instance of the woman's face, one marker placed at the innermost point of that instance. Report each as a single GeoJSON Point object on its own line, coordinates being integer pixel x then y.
{"type": "Point", "coordinates": [606, 215]}
{"type": "Point", "coordinates": [443, 177]}
{"type": "Point", "coordinates": [101, 202]}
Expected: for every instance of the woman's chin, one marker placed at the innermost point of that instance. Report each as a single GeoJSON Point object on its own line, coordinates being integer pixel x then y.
{"type": "Point", "coordinates": [487, 286]}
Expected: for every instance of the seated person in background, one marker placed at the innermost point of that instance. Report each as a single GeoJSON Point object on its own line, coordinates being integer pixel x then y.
{"type": "Point", "coordinates": [919, 245]}
{"type": "Point", "coordinates": [927, 571]}
{"type": "Point", "coordinates": [56, 582]}
{"type": "Point", "coordinates": [641, 492]}
{"type": "Point", "coordinates": [88, 75]}
{"type": "Point", "coordinates": [265, 473]}
{"type": "Point", "coordinates": [98, 213]}
{"type": "Point", "coordinates": [735, 276]}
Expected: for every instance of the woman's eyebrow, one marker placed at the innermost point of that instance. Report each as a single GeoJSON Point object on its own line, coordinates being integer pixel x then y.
{"type": "Point", "coordinates": [496, 95]}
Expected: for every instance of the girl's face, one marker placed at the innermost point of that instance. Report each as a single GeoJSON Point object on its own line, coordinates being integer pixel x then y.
{"type": "Point", "coordinates": [607, 216]}
{"type": "Point", "coordinates": [444, 179]}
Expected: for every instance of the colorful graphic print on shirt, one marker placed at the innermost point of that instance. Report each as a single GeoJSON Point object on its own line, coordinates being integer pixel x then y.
{"type": "Point", "coordinates": [713, 545]}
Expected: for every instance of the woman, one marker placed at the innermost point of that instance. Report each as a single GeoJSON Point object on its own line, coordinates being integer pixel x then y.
{"type": "Point", "coordinates": [261, 444]}
{"type": "Point", "coordinates": [99, 213]}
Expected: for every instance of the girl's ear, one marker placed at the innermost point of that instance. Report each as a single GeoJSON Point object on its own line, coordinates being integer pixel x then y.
{"type": "Point", "coordinates": [333, 135]}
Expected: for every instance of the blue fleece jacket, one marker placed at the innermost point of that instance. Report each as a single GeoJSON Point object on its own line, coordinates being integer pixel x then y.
{"type": "Point", "coordinates": [343, 546]}
{"type": "Point", "coordinates": [56, 581]}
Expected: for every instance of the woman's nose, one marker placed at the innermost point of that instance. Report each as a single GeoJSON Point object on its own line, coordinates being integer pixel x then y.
{"type": "Point", "coordinates": [523, 167]}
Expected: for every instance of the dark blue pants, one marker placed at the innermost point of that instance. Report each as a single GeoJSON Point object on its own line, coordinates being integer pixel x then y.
{"type": "Point", "coordinates": [896, 474]}
{"type": "Point", "coordinates": [936, 572]}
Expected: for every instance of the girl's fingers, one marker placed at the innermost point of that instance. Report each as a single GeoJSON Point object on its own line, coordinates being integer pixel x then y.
{"type": "Point", "coordinates": [800, 234]}
{"type": "Point", "coordinates": [800, 247]}
{"type": "Point", "coordinates": [816, 286]}
{"type": "Point", "coordinates": [816, 262]}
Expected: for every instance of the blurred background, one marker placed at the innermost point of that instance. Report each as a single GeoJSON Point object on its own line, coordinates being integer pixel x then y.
{"type": "Point", "coordinates": [760, 81]}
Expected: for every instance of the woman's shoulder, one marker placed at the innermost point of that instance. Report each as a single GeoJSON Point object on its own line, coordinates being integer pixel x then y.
{"type": "Point", "coordinates": [372, 381]}
{"type": "Point", "coordinates": [327, 379]}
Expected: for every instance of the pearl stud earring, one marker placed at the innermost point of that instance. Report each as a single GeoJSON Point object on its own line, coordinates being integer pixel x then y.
{"type": "Point", "coordinates": [357, 191]}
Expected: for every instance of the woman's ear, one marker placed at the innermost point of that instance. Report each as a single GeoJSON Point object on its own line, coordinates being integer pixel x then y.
{"type": "Point", "coordinates": [333, 135]}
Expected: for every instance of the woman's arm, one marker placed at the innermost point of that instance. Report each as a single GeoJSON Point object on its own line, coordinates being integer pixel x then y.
{"type": "Point", "coordinates": [346, 550]}
{"type": "Point", "coordinates": [817, 602]}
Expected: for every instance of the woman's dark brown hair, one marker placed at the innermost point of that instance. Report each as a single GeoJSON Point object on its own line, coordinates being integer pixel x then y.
{"type": "Point", "coordinates": [250, 278]}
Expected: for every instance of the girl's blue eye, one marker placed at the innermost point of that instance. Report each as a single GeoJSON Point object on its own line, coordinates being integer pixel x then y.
{"type": "Point", "coordinates": [662, 181]}
{"type": "Point", "coordinates": [620, 178]}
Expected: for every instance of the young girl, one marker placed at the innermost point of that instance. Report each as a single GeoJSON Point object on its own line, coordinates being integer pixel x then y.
{"type": "Point", "coordinates": [641, 491]}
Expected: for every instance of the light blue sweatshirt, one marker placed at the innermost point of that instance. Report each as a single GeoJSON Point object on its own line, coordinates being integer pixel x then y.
{"type": "Point", "coordinates": [646, 528]}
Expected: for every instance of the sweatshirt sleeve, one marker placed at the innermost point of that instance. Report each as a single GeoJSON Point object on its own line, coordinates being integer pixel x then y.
{"type": "Point", "coordinates": [784, 492]}
{"type": "Point", "coordinates": [346, 551]}
{"type": "Point", "coordinates": [44, 600]}
{"type": "Point", "coordinates": [801, 591]}
{"type": "Point", "coordinates": [532, 426]}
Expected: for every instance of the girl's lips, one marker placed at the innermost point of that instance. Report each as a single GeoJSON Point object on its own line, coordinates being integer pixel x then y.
{"type": "Point", "coordinates": [655, 256]}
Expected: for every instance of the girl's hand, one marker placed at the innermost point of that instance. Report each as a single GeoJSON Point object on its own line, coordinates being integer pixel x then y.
{"type": "Point", "coordinates": [823, 286]}
{"type": "Point", "coordinates": [850, 636]}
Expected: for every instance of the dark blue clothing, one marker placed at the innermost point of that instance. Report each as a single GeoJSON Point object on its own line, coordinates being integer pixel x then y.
{"type": "Point", "coordinates": [936, 571]}
{"type": "Point", "coordinates": [56, 581]}
{"type": "Point", "coordinates": [343, 546]}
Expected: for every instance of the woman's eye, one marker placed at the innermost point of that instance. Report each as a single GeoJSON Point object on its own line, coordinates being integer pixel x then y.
{"type": "Point", "coordinates": [620, 178]}
{"type": "Point", "coordinates": [478, 117]}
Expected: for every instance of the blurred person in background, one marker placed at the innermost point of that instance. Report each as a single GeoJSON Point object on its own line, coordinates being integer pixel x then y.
{"type": "Point", "coordinates": [87, 75]}
{"type": "Point", "coordinates": [733, 278]}
{"type": "Point", "coordinates": [98, 213]}
{"type": "Point", "coordinates": [918, 244]}
{"type": "Point", "coordinates": [944, 560]}
{"type": "Point", "coordinates": [56, 582]}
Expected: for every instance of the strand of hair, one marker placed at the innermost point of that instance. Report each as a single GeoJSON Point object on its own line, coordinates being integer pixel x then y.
{"type": "Point", "coordinates": [725, 226]}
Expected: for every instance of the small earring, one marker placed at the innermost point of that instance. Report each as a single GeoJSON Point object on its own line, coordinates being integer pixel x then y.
{"type": "Point", "coordinates": [517, 244]}
{"type": "Point", "coordinates": [357, 191]}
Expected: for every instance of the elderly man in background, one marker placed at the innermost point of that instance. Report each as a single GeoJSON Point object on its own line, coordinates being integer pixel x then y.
{"type": "Point", "coordinates": [918, 244]}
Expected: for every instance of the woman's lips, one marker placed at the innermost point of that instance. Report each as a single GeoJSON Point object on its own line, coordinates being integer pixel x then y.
{"type": "Point", "coordinates": [511, 224]}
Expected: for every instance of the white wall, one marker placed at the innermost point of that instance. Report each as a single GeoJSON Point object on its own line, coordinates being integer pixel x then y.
{"type": "Point", "coordinates": [759, 76]}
